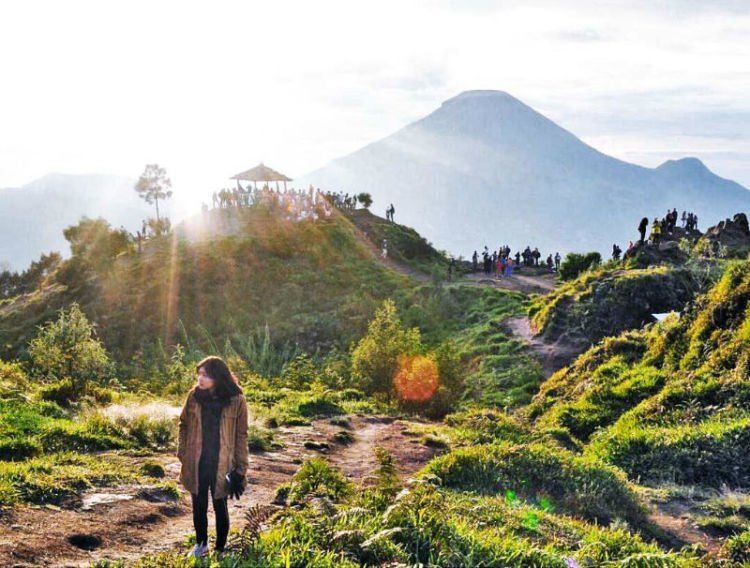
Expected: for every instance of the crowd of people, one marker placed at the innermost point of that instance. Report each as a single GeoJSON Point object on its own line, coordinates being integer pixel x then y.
{"type": "Point", "coordinates": [502, 263]}
{"type": "Point", "coordinates": [667, 225]}
{"type": "Point", "coordinates": [297, 204]}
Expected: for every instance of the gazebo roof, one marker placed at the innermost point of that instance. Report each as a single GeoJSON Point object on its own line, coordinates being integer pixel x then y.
{"type": "Point", "coordinates": [261, 173]}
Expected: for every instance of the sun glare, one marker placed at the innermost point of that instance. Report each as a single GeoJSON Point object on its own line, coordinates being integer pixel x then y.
{"type": "Point", "coordinates": [417, 378]}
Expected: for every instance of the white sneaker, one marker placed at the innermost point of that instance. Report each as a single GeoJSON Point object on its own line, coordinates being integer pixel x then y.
{"type": "Point", "coordinates": [199, 551]}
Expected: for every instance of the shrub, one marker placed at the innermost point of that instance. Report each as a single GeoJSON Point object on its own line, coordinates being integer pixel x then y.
{"type": "Point", "coordinates": [484, 426]}
{"type": "Point", "coordinates": [574, 264]}
{"type": "Point", "coordinates": [365, 199]}
{"type": "Point", "coordinates": [19, 449]}
{"type": "Point", "coordinates": [152, 469]}
{"type": "Point", "coordinates": [317, 405]}
{"type": "Point", "coordinates": [69, 436]}
{"type": "Point", "coordinates": [316, 477]}
{"type": "Point", "coordinates": [343, 437]}
{"type": "Point", "coordinates": [737, 548]}
{"type": "Point", "coordinates": [260, 439]}
{"type": "Point", "coordinates": [60, 392]}
{"type": "Point", "coordinates": [13, 380]}
{"type": "Point", "coordinates": [578, 485]}
{"type": "Point", "coordinates": [67, 348]}
{"type": "Point", "coordinates": [299, 372]}
{"type": "Point", "coordinates": [711, 453]}
{"type": "Point", "coordinates": [375, 357]}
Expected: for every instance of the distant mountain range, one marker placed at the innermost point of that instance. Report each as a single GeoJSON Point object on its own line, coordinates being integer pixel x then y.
{"type": "Point", "coordinates": [32, 217]}
{"type": "Point", "coordinates": [485, 168]}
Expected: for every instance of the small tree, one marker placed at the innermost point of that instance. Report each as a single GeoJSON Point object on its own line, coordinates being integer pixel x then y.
{"type": "Point", "coordinates": [154, 185]}
{"type": "Point", "coordinates": [365, 199]}
{"type": "Point", "coordinates": [375, 358]}
{"type": "Point", "coordinates": [67, 348]}
{"type": "Point", "coordinates": [96, 243]}
{"type": "Point", "coordinates": [575, 264]}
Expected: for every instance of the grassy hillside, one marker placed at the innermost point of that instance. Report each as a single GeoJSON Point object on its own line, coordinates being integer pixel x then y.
{"type": "Point", "coordinates": [667, 403]}
{"type": "Point", "coordinates": [232, 275]}
{"type": "Point", "coordinates": [608, 301]}
{"type": "Point", "coordinates": [528, 473]}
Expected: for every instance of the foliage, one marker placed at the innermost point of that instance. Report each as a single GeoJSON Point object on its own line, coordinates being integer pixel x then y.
{"type": "Point", "coordinates": [34, 277]}
{"type": "Point", "coordinates": [574, 264]}
{"type": "Point", "coordinates": [365, 199]}
{"type": "Point", "coordinates": [154, 185]}
{"type": "Point", "coordinates": [534, 472]}
{"type": "Point", "coordinates": [713, 452]}
{"type": "Point", "coordinates": [52, 477]}
{"type": "Point", "coordinates": [316, 477]}
{"type": "Point", "coordinates": [68, 348]}
{"type": "Point", "coordinates": [609, 301]}
{"type": "Point", "coordinates": [375, 357]}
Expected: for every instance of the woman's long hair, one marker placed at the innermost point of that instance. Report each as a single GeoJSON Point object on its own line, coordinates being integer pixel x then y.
{"type": "Point", "coordinates": [226, 384]}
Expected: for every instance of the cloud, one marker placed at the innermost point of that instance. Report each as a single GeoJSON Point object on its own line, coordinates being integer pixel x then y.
{"type": "Point", "coordinates": [206, 92]}
{"type": "Point", "coordinates": [582, 35]}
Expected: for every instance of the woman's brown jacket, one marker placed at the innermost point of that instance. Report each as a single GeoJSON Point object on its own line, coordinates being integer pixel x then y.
{"type": "Point", "coordinates": [233, 453]}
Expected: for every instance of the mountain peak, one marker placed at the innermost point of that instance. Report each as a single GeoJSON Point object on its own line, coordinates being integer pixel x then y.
{"type": "Point", "coordinates": [482, 94]}
{"type": "Point", "coordinates": [688, 165]}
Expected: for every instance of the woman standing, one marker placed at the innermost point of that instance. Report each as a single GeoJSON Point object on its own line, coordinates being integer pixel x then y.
{"type": "Point", "coordinates": [212, 448]}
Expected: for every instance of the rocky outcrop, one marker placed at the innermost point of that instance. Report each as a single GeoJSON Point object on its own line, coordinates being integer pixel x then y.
{"type": "Point", "coordinates": [732, 233]}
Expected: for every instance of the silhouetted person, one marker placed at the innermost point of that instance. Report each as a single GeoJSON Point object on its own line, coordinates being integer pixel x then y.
{"type": "Point", "coordinates": [475, 261]}
{"type": "Point", "coordinates": [616, 251]}
{"type": "Point", "coordinates": [642, 229]}
{"type": "Point", "coordinates": [557, 261]}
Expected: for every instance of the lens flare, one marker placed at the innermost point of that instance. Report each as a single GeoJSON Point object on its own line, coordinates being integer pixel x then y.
{"type": "Point", "coordinates": [417, 378]}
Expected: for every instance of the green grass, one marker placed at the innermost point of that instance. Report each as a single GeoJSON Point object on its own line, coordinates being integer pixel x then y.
{"type": "Point", "coordinates": [608, 301]}
{"type": "Point", "coordinates": [499, 370]}
{"type": "Point", "coordinates": [50, 478]}
{"type": "Point", "coordinates": [534, 473]}
{"type": "Point", "coordinates": [713, 452]}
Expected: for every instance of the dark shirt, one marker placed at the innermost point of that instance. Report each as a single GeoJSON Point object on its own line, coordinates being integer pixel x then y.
{"type": "Point", "coordinates": [211, 407]}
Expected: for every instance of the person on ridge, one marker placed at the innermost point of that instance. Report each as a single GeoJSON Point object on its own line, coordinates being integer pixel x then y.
{"type": "Point", "coordinates": [655, 232]}
{"type": "Point", "coordinates": [642, 229]}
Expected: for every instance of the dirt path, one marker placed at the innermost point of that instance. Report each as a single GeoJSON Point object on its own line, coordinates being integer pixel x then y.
{"type": "Point", "coordinates": [675, 519]}
{"type": "Point", "coordinates": [528, 284]}
{"type": "Point", "coordinates": [131, 525]}
{"type": "Point", "coordinates": [552, 356]}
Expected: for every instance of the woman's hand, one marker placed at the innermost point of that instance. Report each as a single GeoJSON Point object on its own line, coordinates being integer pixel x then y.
{"type": "Point", "coordinates": [237, 484]}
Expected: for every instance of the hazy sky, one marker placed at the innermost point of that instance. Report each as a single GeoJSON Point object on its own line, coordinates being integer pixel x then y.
{"type": "Point", "coordinates": [209, 89]}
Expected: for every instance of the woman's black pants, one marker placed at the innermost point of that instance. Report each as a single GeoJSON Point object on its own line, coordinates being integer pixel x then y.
{"type": "Point", "coordinates": [200, 512]}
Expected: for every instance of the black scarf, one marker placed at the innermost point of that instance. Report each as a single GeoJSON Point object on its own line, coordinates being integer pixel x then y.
{"type": "Point", "coordinates": [211, 407]}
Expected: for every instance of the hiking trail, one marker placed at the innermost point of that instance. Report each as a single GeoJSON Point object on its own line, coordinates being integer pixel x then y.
{"type": "Point", "coordinates": [129, 521]}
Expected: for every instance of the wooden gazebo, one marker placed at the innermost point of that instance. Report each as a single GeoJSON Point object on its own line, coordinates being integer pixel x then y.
{"type": "Point", "coordinates": [262, 173]}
